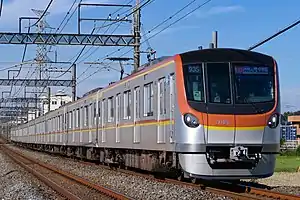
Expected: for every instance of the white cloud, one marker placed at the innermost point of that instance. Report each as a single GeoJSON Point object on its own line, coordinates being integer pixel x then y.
{"type": "Point", "coordinates": [217, 10]}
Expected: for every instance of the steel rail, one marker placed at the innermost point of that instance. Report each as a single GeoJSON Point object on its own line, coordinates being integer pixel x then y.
{"type": "Point", "coordinates": [106, 191]}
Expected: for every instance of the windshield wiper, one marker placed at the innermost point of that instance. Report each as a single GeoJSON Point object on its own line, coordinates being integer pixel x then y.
{"type": "Point", "coordinates": [257, 110]}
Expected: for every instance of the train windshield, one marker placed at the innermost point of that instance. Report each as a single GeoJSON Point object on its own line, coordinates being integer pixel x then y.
{"type": "Point", "coordinates": [218, 77]}
{"type": "Point", "coordinates": [253, 84]}
{"type": "Point", "coordinates": [193, 77]}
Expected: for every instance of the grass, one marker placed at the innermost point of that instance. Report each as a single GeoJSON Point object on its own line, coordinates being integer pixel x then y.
{"type": "Point", "coordinates": [287, 163]}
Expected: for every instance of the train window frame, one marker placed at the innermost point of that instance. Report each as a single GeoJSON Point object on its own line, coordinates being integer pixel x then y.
{"type": "Point", "coordinates": [118, 103]}
{"type": "Point", "coordinates": [94, 112]}
{"type": "Point", "coordinates": [137, 102]}
{"type": "Point", "coordinates": [203, 79]}
{"type": "Point", "coordinates": [209, 88]}
{"type": "Point", "coordinates": [70, 119]}
{"type": "Point", "coordinates": [162, 95]}
{"type": "Point", "coordinates": [78, 117]}
{"type": "Point", "coordinates": [99, 111]}
{"type": "Point", "coordinates": [148, 99]}
{"type": "Point", "coordinates": [127, 105]}
{"type": "Point", "coordinates": [110, 109]}
{"type": "Point", "coordinates": [234, 86]}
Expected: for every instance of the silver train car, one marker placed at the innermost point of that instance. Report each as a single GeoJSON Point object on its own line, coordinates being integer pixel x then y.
{"type": "Point", "coordinates": [204, 114]}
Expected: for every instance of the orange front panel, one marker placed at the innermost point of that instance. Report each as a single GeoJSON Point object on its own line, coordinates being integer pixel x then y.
{"type": "Point", "coordinates": [216, 119]}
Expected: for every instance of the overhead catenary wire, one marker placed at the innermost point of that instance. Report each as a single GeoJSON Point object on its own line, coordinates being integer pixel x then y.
{"type": "Point", "coordinates": [43, 14]}
{"type": "Point", "coordinates": [187, 14]}
{"type": "Point", "coordinates": [1, 6]}
{"type": "Point", "coordinates": [144, 4]}
{"type": "Point", "coordinates": [155, 27]}
{"type": "Point", "coordinates": [61, 29]}
{"type": "Point", "coordinates": [104, 34]}
{"type": "Point", "coordinates": [148, 2]}
{"type": "Point", "coordinates": [275, 35]}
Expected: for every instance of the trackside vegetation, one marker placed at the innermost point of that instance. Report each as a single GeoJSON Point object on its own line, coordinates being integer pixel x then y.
{"type": "Point", "coordinates": [288, 161]}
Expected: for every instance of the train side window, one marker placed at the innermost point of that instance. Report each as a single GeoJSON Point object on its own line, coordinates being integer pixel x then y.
{"type": "Point", "coordinates": [110, 109]}
{"type": "Point", "coordinates": [219, 83]}
{"type": "Point", "coordinates": [162, 96]}
{"type": "Point", "coordinates": [148, 99]}
{"type": "Point", "coordinates": [78, 118]}
{"type": "Point", "coordinates": [99, 111]}
{"type": "Point", "coordinates": [193, 80]}
{"type": "Point", "coordinates": [95, 111]}
{"type": "Point", "coordinates": [118, 107]}
{"type": "Point", "coordinates": [127, 104]}
{"type": "Point", "coordinates": [137, 99]}
{"type": "Point", "coordinates": [70, 119]}
{"type": "Point", "coordinates": [86, 115]}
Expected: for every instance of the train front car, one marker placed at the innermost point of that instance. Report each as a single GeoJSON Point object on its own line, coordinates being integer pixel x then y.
{"type": "Point", "coordinates": [227, 123]}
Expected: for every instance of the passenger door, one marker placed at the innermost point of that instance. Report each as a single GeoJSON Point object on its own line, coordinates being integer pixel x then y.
{"type": "Point", "coordinates": [172, 108]}
{"type": "Point", "coordinates": [103, 134]}
{"type": "Point", "coordinates": [136, 115]}
{"type": "Point", "coordinates": [118, 116]}
{"type": "Point", "coordinates": [161, 111]}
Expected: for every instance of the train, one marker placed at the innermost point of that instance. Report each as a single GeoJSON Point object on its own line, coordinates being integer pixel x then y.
{"type": "Point", "coordinates": [200, 114]}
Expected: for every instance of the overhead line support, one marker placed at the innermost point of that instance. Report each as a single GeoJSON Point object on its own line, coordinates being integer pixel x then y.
{"type": "Point", "coordinates": [18, 100]}
{"type": "Point", "coordinates": [35, 82]}
{"type": "Point", "coordinates": [66, 39]}
{"type": "Point", "coordinates": [79, 19]}
{"type": "Point", "coordinates": [20, 22]}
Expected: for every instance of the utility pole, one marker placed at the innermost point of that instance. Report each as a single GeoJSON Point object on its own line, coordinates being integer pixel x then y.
{"type": "Point", "coordinates": [74, 82]}
{"type": "Point", "coordinates": [137, 33]}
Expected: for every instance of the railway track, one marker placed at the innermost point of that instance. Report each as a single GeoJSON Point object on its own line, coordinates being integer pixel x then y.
{"type": "Point", "coordinates": [67, 185]}
{"type": "Point", "coordinates": [235, 191]}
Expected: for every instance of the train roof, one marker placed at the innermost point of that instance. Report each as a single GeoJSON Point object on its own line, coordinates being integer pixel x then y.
{"type": "Point", "coordinates": [140, 69]}
{"type": "Point", "coordinates": [225, 54]}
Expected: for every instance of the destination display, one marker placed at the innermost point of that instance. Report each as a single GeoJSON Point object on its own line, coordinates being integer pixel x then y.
{"type": "Point", "coordinates": [194, 69]}
{"type": "Point", "coordinates": [251, 70]}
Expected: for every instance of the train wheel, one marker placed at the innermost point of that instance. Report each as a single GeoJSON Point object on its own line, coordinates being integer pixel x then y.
{"type": "Point", "coordinates": [194, 180]}
{"type": "Point", "coordinates": [180, 177]}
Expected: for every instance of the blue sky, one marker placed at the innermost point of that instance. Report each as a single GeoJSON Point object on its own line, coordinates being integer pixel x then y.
{"type": "Point", "coordinates": [240, 24]}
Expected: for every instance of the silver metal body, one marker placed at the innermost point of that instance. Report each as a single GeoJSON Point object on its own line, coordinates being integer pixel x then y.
{"type": "Point", "coordinates": [155, 126]}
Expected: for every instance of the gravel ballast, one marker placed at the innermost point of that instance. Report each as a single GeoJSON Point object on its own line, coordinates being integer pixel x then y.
{"type": "Point", "coordinates": [133, 186]}
{"type": "Point", "coordinates": [284, 182]}
{"type": "Point", "coordinates": [17, 183]}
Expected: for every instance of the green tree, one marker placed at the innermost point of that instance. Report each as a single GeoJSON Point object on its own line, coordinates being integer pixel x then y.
{"type": "Point", "coordinates": [298, 151]}
{"type": "Point", "coordinates": [282, 141]}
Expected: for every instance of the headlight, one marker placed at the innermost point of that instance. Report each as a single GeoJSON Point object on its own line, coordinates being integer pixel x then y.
{"type": "Point", "coordinates": [273, 121]}
{"type": "Point", "coordinates": [191, 120]}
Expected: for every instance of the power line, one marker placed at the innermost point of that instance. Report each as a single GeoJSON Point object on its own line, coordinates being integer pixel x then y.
{"type": "Point", "coordinates": [169, 18]}
{"type": "Point", "coordinates": [275, 35]}
{"type": "Point", "coordinates": [45, 11]}
{"type": "Point", "coordinates": [104, 33]}
{"type": "Point", "coordinates": [143, 5]}
{"type": "Point", "coordinates": [1, 5]}
{"type": "Point", "coordinates": [68, 12]}
{"type": "Point", "coordinates": [148, 2]}
{"type": "Point", "coordinates": [192, 11]}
